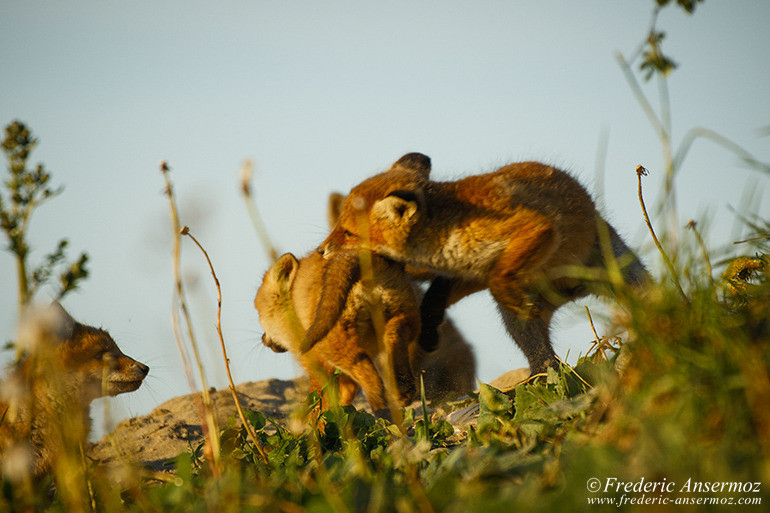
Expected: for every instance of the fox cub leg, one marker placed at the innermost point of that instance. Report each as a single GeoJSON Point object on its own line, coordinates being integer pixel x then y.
{"type": "Point", "coordinates": [357, 370]}
{"type": "Point", "coordinates": [513, 284]}
{"type": "Point", "coordinates": [533, 338]}
{"type": "Point", "coordinates": [400, 332]}
{"type": "Point", "coordinates": [348, 389]}
{"type": "Point", "coordinates": [364, 372]}
{"type": "Point", "coordinates": [441, 294]}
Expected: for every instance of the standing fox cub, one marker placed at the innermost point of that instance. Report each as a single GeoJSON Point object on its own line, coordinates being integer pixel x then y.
{"type": "Point", "coordinates": [331, 305]}
{"type": "Point", "coordinates": [520, 232]}
{"type": "Point", "coordinates": [44, 402]}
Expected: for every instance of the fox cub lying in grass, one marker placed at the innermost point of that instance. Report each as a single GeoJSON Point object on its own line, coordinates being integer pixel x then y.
{"type": "Point", "coordinates": [44, 402]}
{"type": "Point", "coordinates": [524, 232]}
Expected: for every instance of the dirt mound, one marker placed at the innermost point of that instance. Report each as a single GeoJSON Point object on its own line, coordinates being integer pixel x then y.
{"type": "Point", "coordinates": [175, 426]}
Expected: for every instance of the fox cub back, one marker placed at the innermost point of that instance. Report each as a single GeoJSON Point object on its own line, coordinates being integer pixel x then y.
{"type": "Point", "coordinates": [362, 321]}
{"type": "Point", "coordinates": [44, 402]}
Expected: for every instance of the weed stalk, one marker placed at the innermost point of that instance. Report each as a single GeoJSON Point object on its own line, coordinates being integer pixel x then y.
{"type": "Point", "coordinates": [641, 171]}
{"type": "Point", "coordinates": [209, 425]}
{"type": "Point", "coordinates": [251, 207]}
{"type": "Point", "coordinates": [241, 414]}
{"type": "Point", "coordinates": [376, 310]}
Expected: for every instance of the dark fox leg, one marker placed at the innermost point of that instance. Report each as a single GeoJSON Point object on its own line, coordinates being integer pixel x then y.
{"type": "Point", "coordinates": [441, 294]}
{"type": "Point", "coordinates": [514, 284]}
{"type": "Point", "coordinates": [432, 308]}
{"type": "Point", "coordinates": [533, 338]}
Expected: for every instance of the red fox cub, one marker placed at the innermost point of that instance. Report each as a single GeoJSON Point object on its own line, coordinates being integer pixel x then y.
{"type": "Point", "coordinates": [342, 314]}
{"type": "Point", "coordinates": [44, 402]}
{"type": "Point", "coordinates": [451, 367]}
{"type": "Point", "coordinates": [520, 232]}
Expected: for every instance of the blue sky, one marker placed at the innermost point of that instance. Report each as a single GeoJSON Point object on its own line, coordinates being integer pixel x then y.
{"type": "Point", "coordinates": [322, 94]}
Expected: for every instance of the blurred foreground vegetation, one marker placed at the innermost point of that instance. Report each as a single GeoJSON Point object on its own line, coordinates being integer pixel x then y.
{"type": "Point", "coordinates": [682, 398]}
{"type": "Point", "coordinates": [688, 406]}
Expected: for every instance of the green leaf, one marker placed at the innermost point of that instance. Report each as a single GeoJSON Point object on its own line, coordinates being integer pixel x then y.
{"type": "Point", "coordinates": [492, 405]}
{"type": "Point", "coordinates": [256, 419]}
{"type": "Point", "coordinates": [493, 400]}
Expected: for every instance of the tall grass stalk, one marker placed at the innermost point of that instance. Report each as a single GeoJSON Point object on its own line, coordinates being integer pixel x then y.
{"type": "Point", "coordinates": [641, 171]}
{"type": "Point", "coordinates": [209, 425]}
{"type": "Point", "coordinates": [251, 208]}
{"type": "Point", "coordinates": [376, 309]}
{"type": "Point", "coordinates": [238, 406]}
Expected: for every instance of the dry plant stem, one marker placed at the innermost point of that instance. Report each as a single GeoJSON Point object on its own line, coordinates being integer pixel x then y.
{"type": "Point", "coordinates": [597, 340]}
{"type": "Point", "coordinates": [238, 406]}
{"type": "Point", "coordinates": [418, 491]}
{"type": "Point", "coordinates": [653, 22]}
{"type": "Point", "coordinates": [573, 371]}
{"type": "Point", "coordinates": [376, 309]}
{"type": "Point", "coordinates": [641, 171]}
{"type": "Point", "coordinates": [706, 259]}
{"type": "Point", "coordinates": [287, 300]}
{"type": "Point", "coordinates": [211, 438]}
{"type": "Point", "coordinates": [613, 269]}
{"type": "Point", "coordinates": [753, 239]}
{"type": "Point", "coordinates": [251, 207]}
{"type": "Point", "coordinates": [637, 91]}
{"type": "Point", "coordinates": [21, 271]}
{"type": "Point", "coordinates": [700, 132]}
{"type": "Point", "coordinates": [599, 346]}
{"type": "Point", "coordinates": [89, 485]}
{"type": "Point", "coordinates": [663, 132]}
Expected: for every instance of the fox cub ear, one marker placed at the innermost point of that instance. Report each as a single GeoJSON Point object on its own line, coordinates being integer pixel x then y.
{"type": "Point", "coordinates": [284, 270]}
{"type": "Point", "coordinates": [334, 208]}
{"type": "Point", "coordinates": [63, 321]}
{"type": "Point", "coordinates": [398, 207]}
{"type": "Point", "coordinates": [416, 162]}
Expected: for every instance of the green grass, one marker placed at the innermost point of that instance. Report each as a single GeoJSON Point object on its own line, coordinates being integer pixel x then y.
{"type": "Point", "coordinates": [689, 407]}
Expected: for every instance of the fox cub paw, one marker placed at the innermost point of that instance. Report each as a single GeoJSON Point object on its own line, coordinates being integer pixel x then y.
{"type": "Point", "coordinates": [407, 390]}
{"type": "Point", "coordinates": [428, 340]}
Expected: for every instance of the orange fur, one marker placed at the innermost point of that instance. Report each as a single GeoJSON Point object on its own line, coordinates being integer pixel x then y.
{"type": "Point", "coordinates": [45, 400]}
{"type": "Point", "coordinates": [370, 339]}
{"type": "Point", "coordinates": [518, 231]}
{"type": "Point", "coordinates": [447, 369]}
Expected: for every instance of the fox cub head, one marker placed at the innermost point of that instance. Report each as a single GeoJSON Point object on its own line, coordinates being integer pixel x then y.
{"type": "Point", "coordinates": [45, 399]}
{"type": "Point", "coordinates": [88, 359]}
{"type": "Point", "coordinates": [381, 211]}
{"type": "Point", "coordinates": [274, 304]}
{"type": "Point", "coordinates": [321, 300]}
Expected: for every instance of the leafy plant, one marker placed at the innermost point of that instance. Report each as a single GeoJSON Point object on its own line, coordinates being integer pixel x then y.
{"type": "Point", "coordinates": [26, 189]}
